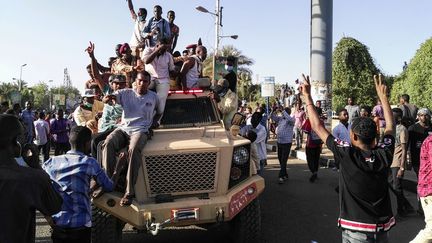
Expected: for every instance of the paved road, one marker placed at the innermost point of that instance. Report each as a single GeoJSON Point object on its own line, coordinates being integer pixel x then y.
{"type": "Point", "coordinates": [297, 211]}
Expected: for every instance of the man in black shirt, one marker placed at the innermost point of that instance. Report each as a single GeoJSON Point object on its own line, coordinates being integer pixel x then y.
{"type": "Point", "coordinates": [231, 76]}
{"type": "Point", "coordinates": [365, 206]}
{"type": "Point", "coordinates": [417, 134]}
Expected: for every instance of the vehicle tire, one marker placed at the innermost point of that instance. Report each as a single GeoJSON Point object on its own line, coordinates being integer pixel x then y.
{"type": "Point", "coordinates": [105, 227]}
{"type": "Point", "coordinates": [246, 226]}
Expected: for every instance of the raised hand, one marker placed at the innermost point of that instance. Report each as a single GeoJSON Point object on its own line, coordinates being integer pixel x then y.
{"type": "Point", "coordinates": [305, 87]}
{"type": "Point", "coordinates": [380, 87]}
{"type": "Point", "coordinates": [90, 49]}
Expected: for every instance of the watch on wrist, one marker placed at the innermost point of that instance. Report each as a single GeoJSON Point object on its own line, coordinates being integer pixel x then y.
{"type": "Point", "coordinates": [401, 168]}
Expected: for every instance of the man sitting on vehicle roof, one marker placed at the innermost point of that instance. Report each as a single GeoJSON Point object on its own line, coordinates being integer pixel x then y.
{"type": "Point", "coordinates": [139, 105]}
{"type": "Point", "coordinates": [192, 68]}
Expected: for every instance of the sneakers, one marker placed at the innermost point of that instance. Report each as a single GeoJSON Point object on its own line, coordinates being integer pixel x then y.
{"type": "Point", "coordinates": [281, 180]}
{"type": "Point", "coordinates": [313, 177]}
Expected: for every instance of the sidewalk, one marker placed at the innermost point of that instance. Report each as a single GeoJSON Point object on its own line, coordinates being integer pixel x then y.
{"type": "Point", "coordinates": [327, 161]}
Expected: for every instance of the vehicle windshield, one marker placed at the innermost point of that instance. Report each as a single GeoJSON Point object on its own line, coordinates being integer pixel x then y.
{"type": "Point", "coordinates": [189, 112]}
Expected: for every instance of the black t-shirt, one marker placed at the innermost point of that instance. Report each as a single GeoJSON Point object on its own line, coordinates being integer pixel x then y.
{"type": "Point", "coordinates": [417, 134]}
{"type": "Point", "coordinates": [22, 190]}
{"type": "Point", "coordinates": [363, 187]}
{"type": "Point", "coordinates": [232, 80]}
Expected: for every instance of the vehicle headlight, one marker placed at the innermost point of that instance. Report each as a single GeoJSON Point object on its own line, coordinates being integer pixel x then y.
{"type": "Point", "coordinates": [240, 156]}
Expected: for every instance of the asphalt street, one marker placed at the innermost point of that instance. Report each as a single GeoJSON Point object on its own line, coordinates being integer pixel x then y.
{"type": "Point", "coordinates": [296, 211]}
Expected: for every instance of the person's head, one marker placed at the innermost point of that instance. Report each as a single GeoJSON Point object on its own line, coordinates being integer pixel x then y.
{"type": "Point", "coordinates": [424, 116]}
{"type": "Point", "coordinates": [248, 110]}
{"type": "Point", "coordinates": [117, 82]}
{"type": "Point", "coordinates": [201, 52]}
{"type": "Point", "coordinates": [397, 115]}
{"type": "Point", "coordinates": [363, 131]}
{"type": "Point", "coordinates": [343, 115]}
{"type": "Point", "coordinates": [89, 71]}
{"type": "Point", "coordinates": [125, 52]}
{"type": "Point", "coordinates": [351, 100]}
{"type": "Point", "coordinates": [11, 129]}
{"type": "Point", "coordinates": [28, 105]}
{"type": "Point", "coordinates": [185, 53]}
{"type": "Point", "coordinates": [142, 14]}
{"type": "Point", "coordinates": [157, 11]}
{"type": "Point", "coordinates": [42, 115]}
{"type": "Point", "coordinates": [117, 50]}
{"type": "Point", "coordinates": [176, 54]}
{"type": "Point", "coordinates": [142, 82]}
{"type": "Point", "coordinates": [365, 111]}
{"type": "Point", "coordinates": [171, 16]}
{"type": "Point", "coordinates": [59, 114]}
{"type": "Point", "coordinates": [88, 97]}
{"type": "Point", "coordinates": [80, 138]}
{"type": "Point", "coordinates": [229, 63]}
{"type": "Point", "coordinates": [256, 119]}
{"type": "Point", "coordinates": [4, 106]}
{"type": "Point", "coordinates": [404, 99]}
{"type": "Point", "coordinates": [164, 42]}
{"type": "Point", "coordinates": [287, 110]}
{"type": "Point", "coordinates": [318, 103]}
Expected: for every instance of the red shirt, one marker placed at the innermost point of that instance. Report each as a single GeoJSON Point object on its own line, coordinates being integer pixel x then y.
{"type": "Point", "coordinates": [424, 187]}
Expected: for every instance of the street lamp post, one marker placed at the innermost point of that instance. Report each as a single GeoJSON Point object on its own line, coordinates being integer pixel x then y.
{"type": "Point", "coordinates": [20, 79]}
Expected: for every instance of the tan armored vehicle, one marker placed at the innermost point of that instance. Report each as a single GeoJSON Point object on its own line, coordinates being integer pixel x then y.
{"type": "Point", "coordinates": [194, 172]}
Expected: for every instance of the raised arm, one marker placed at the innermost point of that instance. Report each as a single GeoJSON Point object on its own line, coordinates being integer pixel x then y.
{"type": "Point", "coordinates": [381, 90]}
{"type": "Point", "coordinates": [131, 9]}
{"type": "Point", "coordinates": [314, 118]}
{"type": "Point", "coordinates": [94, 66]}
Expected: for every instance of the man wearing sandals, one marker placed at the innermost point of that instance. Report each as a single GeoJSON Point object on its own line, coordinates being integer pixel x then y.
{"type": "Point", "coordinates": [139, 105]}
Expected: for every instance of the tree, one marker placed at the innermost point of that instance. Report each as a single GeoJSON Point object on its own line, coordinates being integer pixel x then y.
{"type": "Point", "coordinates": [416, 80]}
{"type": "Point", "coordinates": [353, 70]}
{"type": "Point", "coordinates": [41, 95]}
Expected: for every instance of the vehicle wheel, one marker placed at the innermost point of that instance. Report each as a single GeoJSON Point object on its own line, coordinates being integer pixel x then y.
{"type": "Point", "coordinates": [246, 226]}
{"type": "Point", "coordinates": [105, 227]}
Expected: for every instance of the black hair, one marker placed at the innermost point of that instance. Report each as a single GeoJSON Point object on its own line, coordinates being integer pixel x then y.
{"type": "Point", "coordinates": [88, 66]}
{"type": "Point", "coordinates": [176, 54]}
{"type": "Point", "coordinates": [288, 110]}
{"type": "Point", "coordinates": [366, 108]}
{"type": "Point", "coordinates": [41, 115]}
{"type": "Point", "coordinates": [342, 110]}
{"type": "Point", "coordinates": [185, 51]}
{"type": "Point", "coordinates": [171, 11]}
{"type": "Point", "coordinates": [79, 136]}
{"type": "Point", "coordinates": [256, 119]}
{"type": "Point", "coordinates": [157, 6]}
{"type": "Point", "coordinates": [397, 115]}
{"type": "Point", "coordinates": [365, 129]}
{"type": "Point", "coordinates": [164, 40]}
{"type": "Point", "coordinates": [405, 97]}
{"type": "Point", "coordinates": [143, 10]}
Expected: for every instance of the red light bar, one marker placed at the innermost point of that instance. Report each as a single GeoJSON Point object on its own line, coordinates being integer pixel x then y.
{"type": "Point", "coordinates": [191, 91]}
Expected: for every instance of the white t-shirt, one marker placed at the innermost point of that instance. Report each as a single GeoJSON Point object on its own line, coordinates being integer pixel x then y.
{"type": "Point", "coordinates": [42, 129]}
{"type": "Point", "coordinates": [137, 33]}
{"type": "Point", "coordinates": [160, 66]}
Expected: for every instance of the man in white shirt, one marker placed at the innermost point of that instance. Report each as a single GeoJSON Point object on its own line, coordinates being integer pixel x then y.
{"type": "Point", "coordinates": [260, 140]}
{"type": "Point", "coordinates": [42, 135]}
{"type": "Point", "coordinates": [137, 39]}
{"type": "Point", "coordinates": [192, 68]}
{"type": "Point", "coordinates": [159, 62]}
{"type": "Point", "coordinates": [341, 131]}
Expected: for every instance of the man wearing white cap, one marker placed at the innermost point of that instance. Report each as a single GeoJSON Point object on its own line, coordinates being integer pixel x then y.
{"type": "Point", "coordinates": [417, 133]}
{"type": "Point", "coordinates": [89, 108]}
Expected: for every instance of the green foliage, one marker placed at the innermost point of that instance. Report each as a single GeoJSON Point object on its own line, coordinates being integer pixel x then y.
{"type": "Point", "coordinates": [41, 99]}
{"type": "Point", "coordinates": [416, 80]}
{"type": "Point", "coordinates": [353, 70]}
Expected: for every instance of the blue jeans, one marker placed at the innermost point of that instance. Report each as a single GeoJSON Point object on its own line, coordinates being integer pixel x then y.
{"type": "Point", "coordinates": [263, 162]}
{"type": "Point", "coordinates": [349, 236]}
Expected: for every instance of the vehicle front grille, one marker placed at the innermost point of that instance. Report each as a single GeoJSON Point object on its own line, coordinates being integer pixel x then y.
{"type": "Point", "coordinates": [181, 173]}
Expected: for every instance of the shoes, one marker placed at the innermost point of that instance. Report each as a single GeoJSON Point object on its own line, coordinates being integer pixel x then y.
{"type": "Point", "coordinates": [281, 181]}
{"type": "Point", "coordinates": [285, 178]}
{"type": "Point", "coordinates": [313, 177]}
